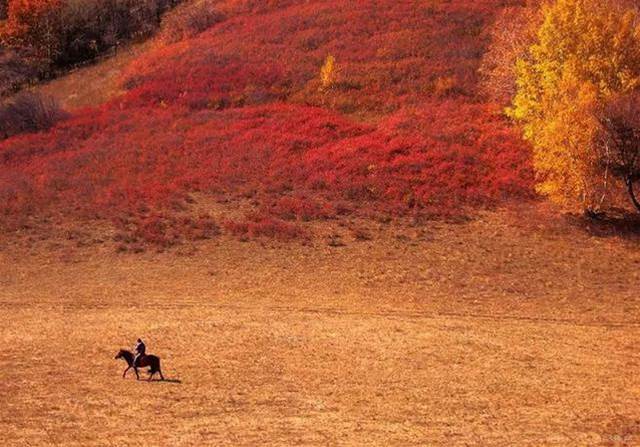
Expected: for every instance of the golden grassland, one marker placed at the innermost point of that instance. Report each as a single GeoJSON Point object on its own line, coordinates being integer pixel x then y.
{"type": "Point", "coordinates": [504, 330]}
{"type": "Point", "coordinates": [94, 83]}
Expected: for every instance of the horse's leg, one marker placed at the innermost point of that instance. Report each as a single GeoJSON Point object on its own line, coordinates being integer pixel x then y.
{"type": "Point", "coordinates": [159, 370]}
{"type": "Point", "coordinates": [125, 371]}
{"type": "Point", "coordinates": [137, 375]}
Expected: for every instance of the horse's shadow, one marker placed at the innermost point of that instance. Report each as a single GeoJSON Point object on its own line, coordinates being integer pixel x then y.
{"type": "Point", "coordinates": [178, 381]}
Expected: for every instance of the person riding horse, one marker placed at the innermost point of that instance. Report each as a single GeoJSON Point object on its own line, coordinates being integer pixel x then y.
{"type": "Point", "coordinates": [140, 360]}
{"type": "Point", "coordinates": [140, 350]}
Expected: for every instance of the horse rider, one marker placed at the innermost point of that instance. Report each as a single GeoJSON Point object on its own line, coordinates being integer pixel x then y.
{"type": "Point", "coordinates": [140, 350]}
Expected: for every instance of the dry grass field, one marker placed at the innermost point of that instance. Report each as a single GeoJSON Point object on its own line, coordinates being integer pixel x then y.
{"type": "Point", "coordinates": [94, 83]}
{"type": "Point", "coordinates": [486, 332]}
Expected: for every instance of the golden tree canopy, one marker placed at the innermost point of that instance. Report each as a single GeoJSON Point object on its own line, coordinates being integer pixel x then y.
{"type": "Point", "coordinates": [586, 52]}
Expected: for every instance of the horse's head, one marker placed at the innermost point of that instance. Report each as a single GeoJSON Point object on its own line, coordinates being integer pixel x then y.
{"type": "Point", "coordinates": [120, 354]}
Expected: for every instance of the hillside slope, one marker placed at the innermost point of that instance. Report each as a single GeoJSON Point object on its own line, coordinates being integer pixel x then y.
{"type": "Point", "coordinates": [239, 111]}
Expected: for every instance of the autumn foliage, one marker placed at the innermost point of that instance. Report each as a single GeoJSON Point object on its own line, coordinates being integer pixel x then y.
{"type": "Point", "coordinates": [49, 36]}
{"type": "Point", "coordinates": [618, 141]}
{"type": "Point", "coordinates": [586, 53]}
{"type": "Point", "coordinates": [239, 110]}
{"type": "Point", "coordinates": [511, 35]}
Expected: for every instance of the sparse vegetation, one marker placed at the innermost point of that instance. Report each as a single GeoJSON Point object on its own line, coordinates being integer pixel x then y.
{"type": "Point", "coordinates": [28, 112]}
{"type": "Point", "coordinates": [189, 19]}
{"type": "Point", "coordinates": [257, 226]}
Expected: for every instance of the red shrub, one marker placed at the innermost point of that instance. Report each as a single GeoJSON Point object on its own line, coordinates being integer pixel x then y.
{"type": "Point", "coordinates": [263, 226]}
{"type": "Point", "coordinates": [237, 110]}
{"type": "Point", "coordinates": [164, 230]}
{"type": "Point", "coordinates": [391, 55]}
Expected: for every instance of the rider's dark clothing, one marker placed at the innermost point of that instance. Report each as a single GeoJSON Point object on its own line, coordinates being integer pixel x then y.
{"type": "Point", "coordinates": [140, 350]}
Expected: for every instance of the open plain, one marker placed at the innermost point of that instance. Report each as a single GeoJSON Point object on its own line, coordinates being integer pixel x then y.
{"type": "Point", "coordinates": [486, 332]}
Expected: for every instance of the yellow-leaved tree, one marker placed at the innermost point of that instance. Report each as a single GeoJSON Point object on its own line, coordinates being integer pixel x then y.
{"type": "Point", "coordinates": [328, 73]}
{"type": "Point", "coordinates": [586, 52]}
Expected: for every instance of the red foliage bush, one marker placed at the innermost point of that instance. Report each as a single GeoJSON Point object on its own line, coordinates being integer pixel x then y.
{"type": "Point", "coordinates": [391, 55]}
{"type": "Point", "coordinates": [237, 110]}
{"type": "Point", "coordinates": [164, 230]}
{"type": "Point", "coordinates": [264, 226]}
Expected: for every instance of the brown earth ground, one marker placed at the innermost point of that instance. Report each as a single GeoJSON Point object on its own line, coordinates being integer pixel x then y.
{"type": "Point", "coordinates": [505, 330]}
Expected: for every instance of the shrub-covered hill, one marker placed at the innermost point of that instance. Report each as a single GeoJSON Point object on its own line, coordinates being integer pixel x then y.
{"type": "Point", "coordinates": [312, 109]}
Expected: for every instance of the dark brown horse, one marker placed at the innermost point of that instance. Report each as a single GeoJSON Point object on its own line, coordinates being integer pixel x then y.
{"type": "Point", "coordinates": [151, 361]}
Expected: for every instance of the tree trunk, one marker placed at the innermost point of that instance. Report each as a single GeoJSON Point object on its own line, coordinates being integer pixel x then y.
{"type": "Point", "coordinates": [632, 193]}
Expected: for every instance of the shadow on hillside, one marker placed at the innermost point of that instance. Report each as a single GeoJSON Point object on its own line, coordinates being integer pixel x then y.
{"type": "Point", "coordinates": [620, 223]}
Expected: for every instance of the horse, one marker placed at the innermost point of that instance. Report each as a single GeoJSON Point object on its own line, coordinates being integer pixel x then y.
{"type": "Point", "coordinates": [152, 361]}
